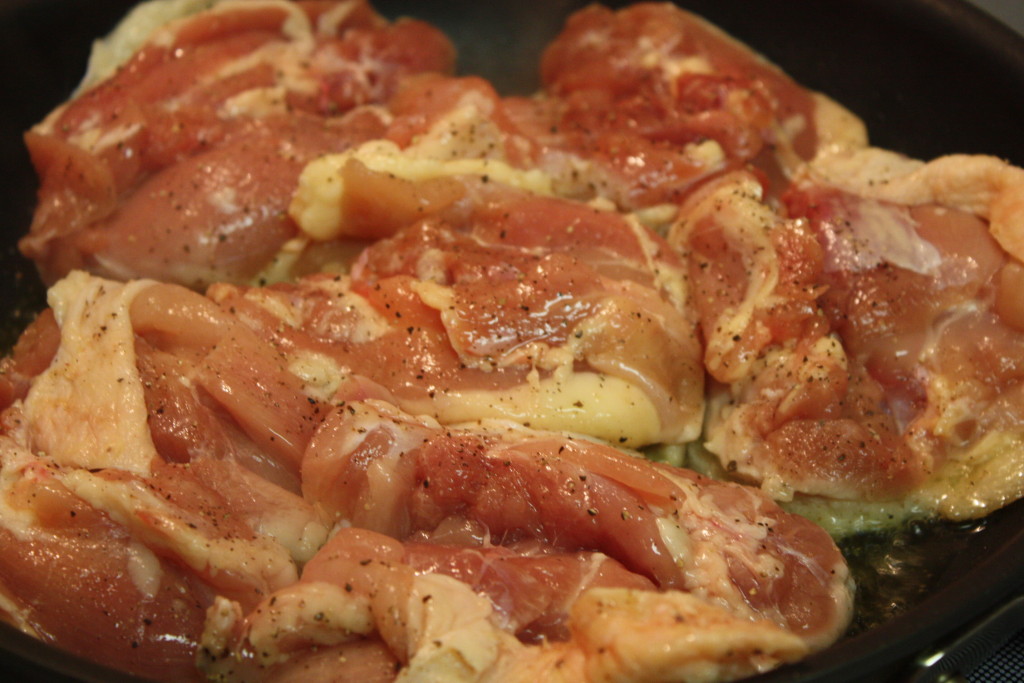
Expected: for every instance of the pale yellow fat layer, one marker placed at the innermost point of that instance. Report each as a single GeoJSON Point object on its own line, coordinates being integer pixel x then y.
{"type": "Point", "coordinates": [970, 484]}
{"type": "Point", "coordinates": [88, 409]}
{"type": "Point", "coordinates": [979, 480]}
{"type": "Point", "coordinates": [316, 206]}
{"type": "Point", "coordinates": [605, 407]}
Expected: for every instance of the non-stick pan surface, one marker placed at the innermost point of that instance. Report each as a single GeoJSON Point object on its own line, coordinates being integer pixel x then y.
{"type": "Point", "coordinates": [929, 77]}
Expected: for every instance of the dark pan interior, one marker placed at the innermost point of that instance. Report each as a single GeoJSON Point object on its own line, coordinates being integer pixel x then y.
{"type": "Point", "coordinates": [928, 76]}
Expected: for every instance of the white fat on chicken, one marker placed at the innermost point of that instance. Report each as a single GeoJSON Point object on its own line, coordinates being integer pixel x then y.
{"type": "Point", "coordinates": [978, 480]}
{"type": "Point", "coordinates": [440, 627]}
{"type": "Point", "coordinates": [317, 204]}
{"type": "Point", "coordinates": [157, 523]}
{"type": "Point", "coordinates": [467, 131]}
{"type": "Point", "coordinates": [17, 467]}
{"type": "Point", "coordinates": [131, 34]}
{"type": "Point", "coordinates": [699, 553]}
{"type": "Point", "coordinates": [451, 632]}
{"type": "Point", "coordinates": [623, 635]}
{"type": "Point", "coordinates": [632, 635]}
{"type": "Point", "coordinates": [316, 611]}
{"type": "Point", "coordinates": [95, 140]}
{"type": "Point", "coordinates": [985, 186]}
{"type": "Point", "coordinates": [672, 282]}
{"type": "Point", "coordinates": [321, 376]}
{"type": "Point", "coordinates": [736, 203]}
{"type": "Point", "coordinates": [838, 128]}
{"type": "Point", "coordinates": [275, 513]}
{"type": "Point", "coordinates": [88, 409]}
{"type": "Point", "coordinates": [605, 406]}
{"type": "Point", "coordinates": [602, 406]}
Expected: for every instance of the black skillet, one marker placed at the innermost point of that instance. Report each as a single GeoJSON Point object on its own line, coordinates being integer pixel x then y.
{"type": "Point", "coordinates": [928, 76]}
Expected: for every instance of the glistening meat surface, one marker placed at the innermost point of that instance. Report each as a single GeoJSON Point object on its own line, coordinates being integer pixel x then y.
{"type": "Point", "coordinates": [921, 266]}
{"type": "Point", "coordinates": [789, 410]}
{"type": "Point", "coordinates": [836, 328]}
{"type": "Point", "coordinates": [727, 543]}
{"type": "Point", "coordinates": [573, 521]}
{"type": "Point", "coordinates": [152, 498]}
{"type": "Point", "coordinates": [180, 164]}
{"type": "Point", "coordinates": [546, 311]}
{"type": "Point", "coordinates": [601, 542]}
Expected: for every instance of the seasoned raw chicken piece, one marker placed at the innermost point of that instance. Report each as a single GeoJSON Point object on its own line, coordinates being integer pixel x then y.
{"type": "Point", "coordinates": [843, 332]}
{"type": "Point", "coordinates": [661, 101]}
{"type": "Point", "coordinates": [639, 106]}
{"type": "Point", "coordinates": [67, 563]}
{"type": "Point", "coordinates": [924, 275]}
{"type": "Point", "coordinates": [501, 303]}
{"type": "Point", "coordinates": [137, 558]}
{"type": "Point", "coordinates": [498, 553]}
{"type": "Point", "coordinates": [180, 164]}
{"type": "Point", "coordinates": [789, 410]}
{"type": "Point", "coordinates": [131, 494]}
{"type": "Point", "coordinates": [723, 542]}
{"type": "Point", "coordinates": [367, 592]}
